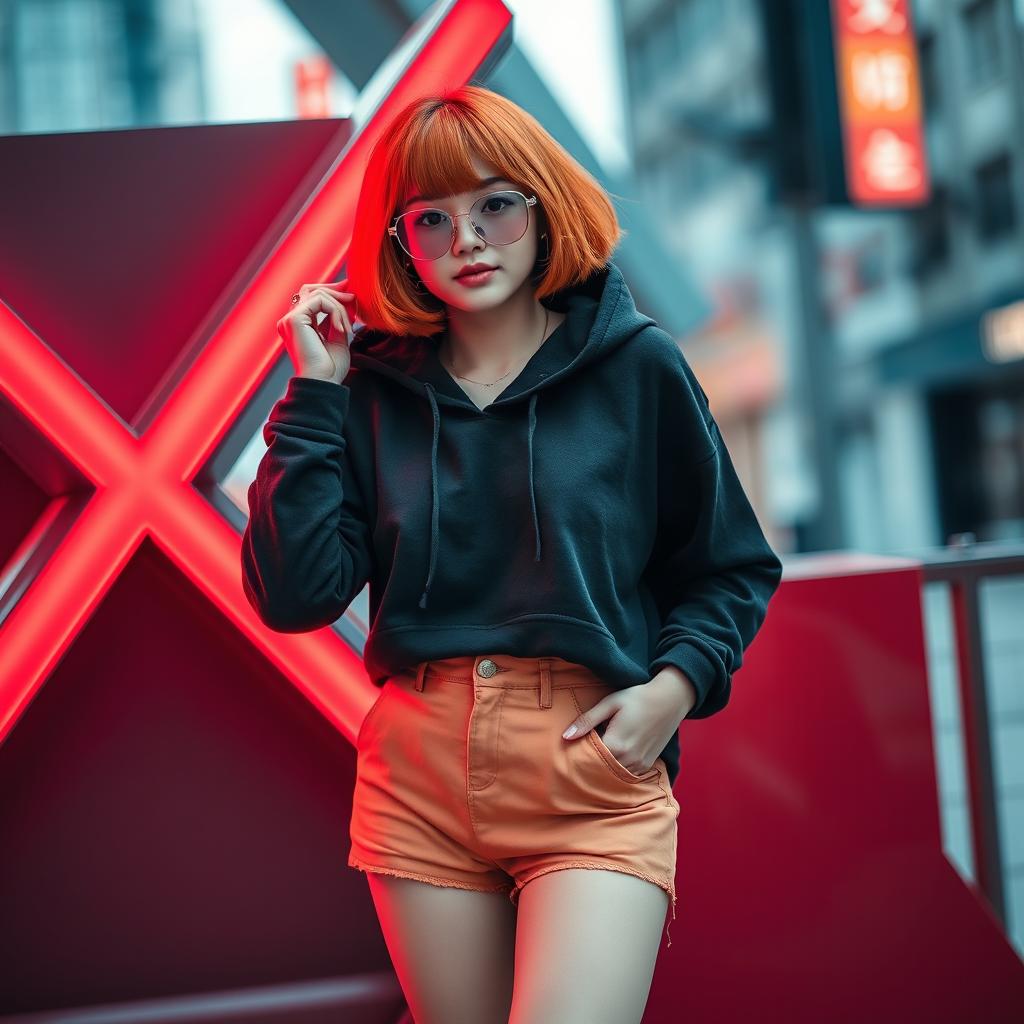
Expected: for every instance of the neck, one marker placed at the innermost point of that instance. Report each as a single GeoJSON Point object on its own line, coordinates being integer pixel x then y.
{"type": "Point", "coordinates": [490, 342]}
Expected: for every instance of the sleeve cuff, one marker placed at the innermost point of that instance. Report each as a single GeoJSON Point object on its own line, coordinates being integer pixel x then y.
{"type": "Point", "coordinates": [700, 670]}
{"type": "Point", "coordinates": [313, 402]}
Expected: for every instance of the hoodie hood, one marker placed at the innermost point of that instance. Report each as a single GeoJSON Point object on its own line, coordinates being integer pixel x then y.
{"type": "Point", "coordinates": [600, 316]}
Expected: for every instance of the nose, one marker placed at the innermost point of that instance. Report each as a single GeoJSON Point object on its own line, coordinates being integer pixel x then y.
{"type": "Point", "coordinates": [466, 236]}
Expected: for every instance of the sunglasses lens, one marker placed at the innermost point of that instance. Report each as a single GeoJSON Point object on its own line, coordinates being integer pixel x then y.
{"type": "Point", "coordinates": [499, 218]}
{"type": "Point", "coordinates": [425, 234]}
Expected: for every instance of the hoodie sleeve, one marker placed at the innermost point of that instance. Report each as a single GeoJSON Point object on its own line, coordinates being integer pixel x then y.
{"type": "Point", "coordinates": [712, 572]}
{"type": "Point", "coordinates": [307, 548]}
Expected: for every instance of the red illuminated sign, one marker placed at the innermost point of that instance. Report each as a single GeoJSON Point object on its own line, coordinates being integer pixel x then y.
{"type": "Point", "coordinates": [144, 484]}
{"type": "Point", "coordinates": [312, 87]}
{"type": "Point", "coordinates": [880, 102]}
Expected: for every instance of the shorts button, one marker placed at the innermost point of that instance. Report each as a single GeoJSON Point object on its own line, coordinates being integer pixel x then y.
{"type": "Point", "coordinates": [486, 668]}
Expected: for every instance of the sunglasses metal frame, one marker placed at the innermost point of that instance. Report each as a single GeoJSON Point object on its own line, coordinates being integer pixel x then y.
{"type": "Point", "coordinates": [393, 227]}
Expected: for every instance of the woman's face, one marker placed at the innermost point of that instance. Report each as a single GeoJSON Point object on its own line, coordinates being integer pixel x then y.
{"type": "Point", "coordinates": [513, 262]}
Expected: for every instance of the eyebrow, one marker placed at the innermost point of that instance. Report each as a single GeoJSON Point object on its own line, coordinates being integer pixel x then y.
{"type": "Point", "coordinates": [480, 185]}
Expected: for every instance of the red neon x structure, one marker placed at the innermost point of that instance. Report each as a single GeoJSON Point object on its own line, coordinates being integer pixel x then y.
{"type": "Point", "coordinates": [143, 484]}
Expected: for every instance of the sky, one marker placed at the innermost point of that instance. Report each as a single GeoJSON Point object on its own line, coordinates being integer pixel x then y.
{"type": "Point", "coordinates": [250, 48]}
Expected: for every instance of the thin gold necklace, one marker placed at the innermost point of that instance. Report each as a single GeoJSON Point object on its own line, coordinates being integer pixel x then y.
{"type": "Point", "coordinates": [504, 375]}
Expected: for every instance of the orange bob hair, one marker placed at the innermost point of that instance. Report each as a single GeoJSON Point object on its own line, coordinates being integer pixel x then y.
{"type": "Point", "coordinates": [429, 147]}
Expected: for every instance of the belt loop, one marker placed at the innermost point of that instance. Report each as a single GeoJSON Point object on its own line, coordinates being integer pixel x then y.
{"type": "Point", "coordinates": [545, 683]}
{"type": "Point", "coordinates": [420, 673]}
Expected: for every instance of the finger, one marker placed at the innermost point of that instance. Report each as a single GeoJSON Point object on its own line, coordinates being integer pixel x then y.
{"type": "Point", "coordinates": [330, 286]}
{"type": "Point", "coordinates": [338, 315]}
{"type": "Point", "coordinates": [590, 719]}
{"type": "Point", "coordinates": [320, 301]}
{"type": "Point", "coordinates": [334, 294]}
{"type": "Point", "coordinates": [308, 291]}
{"type": "Point", "coordinates": [318, 310]}
{"type": "Point", "coordinates": [348, 297]}
{"type": "Point", "coordinates": [580, 726]}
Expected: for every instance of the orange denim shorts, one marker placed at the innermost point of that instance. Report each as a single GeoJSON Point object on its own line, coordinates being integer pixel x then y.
{"type": "Point", "coordinates": [463, 779]}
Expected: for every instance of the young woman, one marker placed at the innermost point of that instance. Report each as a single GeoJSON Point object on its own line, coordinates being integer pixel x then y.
{"type": "Point", "coordinates": [527, 472]}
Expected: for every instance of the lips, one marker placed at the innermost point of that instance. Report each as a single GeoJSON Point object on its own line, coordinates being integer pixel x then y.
{"type": "Point", "coordinates": [474, 268]}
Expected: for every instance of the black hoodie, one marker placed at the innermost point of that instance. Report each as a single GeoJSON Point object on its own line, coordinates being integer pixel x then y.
{"type": "Point", "coordinates": [590, 512]}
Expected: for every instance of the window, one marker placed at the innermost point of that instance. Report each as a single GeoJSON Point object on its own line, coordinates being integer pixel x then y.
{"type": "Point", "coordinates": [636, 73]}
{"type": "Point", "coordinates": [658, 50]}
{"type": "Point", "coordinates": [981, 37]}
{"type": "Point", "coordinates": [931, 95]}
{"type": "Point", "coordinates": [869, 265]}
{"type": "Point", "coordinates": [696, 21]}
{"type": "Point", "coordinates": [929, 234]}
{"type": "Point", "coordinates": [667, 183]}
{"type": "Point", "coordinates": [997, 214]}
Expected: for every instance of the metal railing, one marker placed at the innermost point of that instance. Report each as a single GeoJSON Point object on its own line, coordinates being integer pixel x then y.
{"type": "Point", "coordinates": [963, 567]}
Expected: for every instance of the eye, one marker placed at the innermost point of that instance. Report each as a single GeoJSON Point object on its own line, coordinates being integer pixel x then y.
{"type": "Point", "coordinates": [422, 219]}
{"type": "Point", "coordinates": [499, 201]}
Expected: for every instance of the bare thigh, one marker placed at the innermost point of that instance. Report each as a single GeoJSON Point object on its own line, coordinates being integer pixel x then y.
{"type": "Point", "coordinates": [586, 947]}
{"type": "Point", "coordinates": [452, 949]}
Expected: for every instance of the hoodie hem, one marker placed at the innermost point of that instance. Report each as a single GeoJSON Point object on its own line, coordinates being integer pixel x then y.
{"type": "Point", "coordinates": [427, 627]}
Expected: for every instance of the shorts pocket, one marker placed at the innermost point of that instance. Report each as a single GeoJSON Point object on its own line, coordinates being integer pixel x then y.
{"type": "Point", "coordinates": [369, 714]}
{"type": "Point", "coordinates": [611, 762]}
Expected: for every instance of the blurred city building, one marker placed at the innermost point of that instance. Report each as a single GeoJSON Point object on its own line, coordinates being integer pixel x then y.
{"type": "Point", "coordinates": [68, 65]}
{"type": "Point", "coordinates": [924, 309]}
{"type": "Point", "coordinates": [950, 281]}
{"type": "Point", "coordinates": [714, 213]}
{"type": "Point", "coordinates": [923, 305]}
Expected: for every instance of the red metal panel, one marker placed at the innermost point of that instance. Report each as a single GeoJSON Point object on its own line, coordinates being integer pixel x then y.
{"type": "Point", "coordinates": [812, 884]}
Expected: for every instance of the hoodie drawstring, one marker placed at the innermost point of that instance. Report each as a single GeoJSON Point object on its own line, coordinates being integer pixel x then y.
{"type": "Point", "coordinates": [533, 497]}
{"type": "Point", "coordinates": [435, 510]}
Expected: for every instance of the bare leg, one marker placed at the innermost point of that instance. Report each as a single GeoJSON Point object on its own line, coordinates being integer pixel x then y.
{"type": "Point", "coordinates": [452, 949]}
{"type": "Point", "coordinates": [586, 947]}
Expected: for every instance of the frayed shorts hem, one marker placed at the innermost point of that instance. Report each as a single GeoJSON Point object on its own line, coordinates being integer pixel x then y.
{"type": "Point", "coordinates": [601, 866]}
{"type": "Point", "coordinates": [421, 876]}
{"type": "Point", "coordinates": [514, 889]}
{"type": "Point", "coordinates": [668, 887]}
